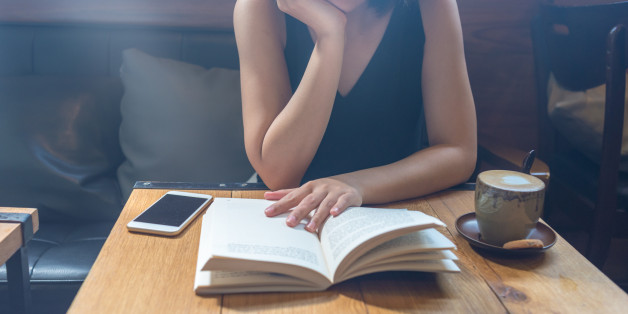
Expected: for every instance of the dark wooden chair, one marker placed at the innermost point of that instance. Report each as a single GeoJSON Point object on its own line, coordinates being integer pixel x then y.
{"type": "Point", "coordinates": [584, 46]}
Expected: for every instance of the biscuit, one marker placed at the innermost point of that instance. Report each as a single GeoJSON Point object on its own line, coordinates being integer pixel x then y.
{"type": "Point", "coordinates": [524, 244]}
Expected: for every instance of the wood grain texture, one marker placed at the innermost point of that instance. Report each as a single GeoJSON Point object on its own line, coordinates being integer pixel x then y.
{"type": "Point", "coordinates": [140, 273]}
{"type": "Point", "coordinates": [248, 194]}
{"type": "Point", "coordinates": [498, 50]}
{"type": "Point", "coordinates": [11, 233]}
{"type": "Point", "coordinates": [560, 280]}
{"type": "Point", "coordinates": [342, 298]}
{"type": "Point", "coordinates": [10, 240]}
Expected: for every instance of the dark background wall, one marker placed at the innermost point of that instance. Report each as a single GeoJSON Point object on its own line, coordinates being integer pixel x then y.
{"type": "Point", "coordinates": [497, 43]}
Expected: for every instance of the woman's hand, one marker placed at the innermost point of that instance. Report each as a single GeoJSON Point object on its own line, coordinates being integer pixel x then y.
{"type": "Point", "coordinates": [326, 196]}
{"type": "Point", "coordinates": [323, 17]}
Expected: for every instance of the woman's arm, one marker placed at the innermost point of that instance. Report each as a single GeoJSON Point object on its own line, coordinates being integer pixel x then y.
{"type": "Point", "coordinates": [451, 126]}
{"type": "Point", "coordinates": [282, 131]}
{"type": "Point", "coordinates": [449, 114]}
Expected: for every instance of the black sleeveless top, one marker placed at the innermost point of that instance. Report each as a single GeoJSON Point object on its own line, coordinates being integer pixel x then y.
{"type": "Point", "coordinates": [380, 121]}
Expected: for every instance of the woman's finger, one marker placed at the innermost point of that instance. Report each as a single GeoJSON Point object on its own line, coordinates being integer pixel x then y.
{"type": "Point", "coordinates": [287, 202]}
{"type": "Point", "coordinates": [277, 195]}
{"type": "Point", "coordinates": [307, 204]}
{"type": "Point", "coordinates": [343, 202]}
{"type": "Point", "coordinates": [322, 212]}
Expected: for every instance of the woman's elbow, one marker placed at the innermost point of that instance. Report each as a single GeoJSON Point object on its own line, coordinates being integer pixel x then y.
{"type": "Point", "coordinates": [276, 178]}
{"type": "Point", "coordinates": [461, 163]}
{"type": "Point", "coordinates": [467, 163]}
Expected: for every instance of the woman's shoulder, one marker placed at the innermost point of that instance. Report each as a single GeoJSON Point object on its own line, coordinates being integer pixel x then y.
{"type": "Point", "coordinates": [438, 7]}
{"type": "Point", "coordinates": [252, 17]}
{"type": "Point", "coordinates": [440, 18]}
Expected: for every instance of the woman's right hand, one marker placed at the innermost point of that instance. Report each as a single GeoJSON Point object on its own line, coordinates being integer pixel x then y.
{"type": "Point", "coordinates": [320, 15]}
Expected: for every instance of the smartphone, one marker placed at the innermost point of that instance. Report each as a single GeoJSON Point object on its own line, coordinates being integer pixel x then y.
{"type": "Point", "coordinates": [170, 214]}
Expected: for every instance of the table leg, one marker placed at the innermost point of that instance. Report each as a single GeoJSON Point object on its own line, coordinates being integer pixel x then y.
{"type": "Point", "coordinates": [18, 280]}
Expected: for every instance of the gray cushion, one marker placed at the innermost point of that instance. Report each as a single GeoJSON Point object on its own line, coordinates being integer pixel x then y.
{"type": "Point", "coordinates": [579, 117]}
{"type": "Point", "coordinates": [180, 122]}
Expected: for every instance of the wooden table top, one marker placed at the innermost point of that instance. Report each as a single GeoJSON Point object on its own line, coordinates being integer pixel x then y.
{"type": "Point", "coordinates": [11, 233]}
{"type": "Point", "coordinates": [137, 273]}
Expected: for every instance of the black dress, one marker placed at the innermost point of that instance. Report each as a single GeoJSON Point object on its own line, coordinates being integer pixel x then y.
{"type": "Point", "coordinates": [381, 120]}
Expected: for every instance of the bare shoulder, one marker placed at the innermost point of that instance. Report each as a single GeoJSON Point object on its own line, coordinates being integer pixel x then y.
{"type": "Point", "coordinates": [260, 19]}
{"type": "Point", "coordinates": [438, 6]}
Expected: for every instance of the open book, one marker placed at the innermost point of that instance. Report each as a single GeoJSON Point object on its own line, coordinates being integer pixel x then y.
{"type": "Point", "coordinates": [242, 250]}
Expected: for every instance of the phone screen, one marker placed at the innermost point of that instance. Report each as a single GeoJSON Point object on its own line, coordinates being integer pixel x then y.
{"type": "Point", "coordinates": [171, 210]}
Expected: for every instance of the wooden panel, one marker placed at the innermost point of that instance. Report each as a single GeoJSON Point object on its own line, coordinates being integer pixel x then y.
{"type": "Point", "coordinates": [11, 233]}
{"type": "Point", "coordinates": [560, 278]}
{"type": "Point", "coordinates": [147, 271]}
{"type": "Point", "coordinates": [499, 56]}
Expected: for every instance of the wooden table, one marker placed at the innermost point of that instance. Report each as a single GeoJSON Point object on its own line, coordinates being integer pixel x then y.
{"type": "Point", "coordinates": [137, 273]}
{"type": "Point", "coordinates": [13, 253]}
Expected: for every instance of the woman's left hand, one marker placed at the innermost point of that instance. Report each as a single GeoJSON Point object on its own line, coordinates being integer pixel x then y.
{"type": "Point", "coordinates": [326, 196]}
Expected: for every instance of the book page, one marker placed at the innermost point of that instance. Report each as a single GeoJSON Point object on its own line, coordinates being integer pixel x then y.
{"type": "Point", "coordinates": [241, 236]}
{"type": "Point", "coordinates": [206, 282]}
{"type": "Point", "coordinates": [413, 242]}
{"type": "Point", "coordinates": [412, 246]}
{"type": "Point", "coordinates": [436, 265]}
{"type": "Point", "coordinates": [210, 282]}
{"type": "Point", "coordinates": [413, 257]}
{"type": "Point", "coordinates": [343, 234]}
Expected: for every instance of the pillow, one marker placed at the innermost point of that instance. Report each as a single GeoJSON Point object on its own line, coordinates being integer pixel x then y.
{"type": "Point", "coordinates": [579, 116]}
{"type": "Point", "coordinates": [180, 122]}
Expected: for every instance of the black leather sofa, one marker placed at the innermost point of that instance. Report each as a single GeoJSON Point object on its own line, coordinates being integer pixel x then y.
{"type": "Point", "coordinates": [60, 95]}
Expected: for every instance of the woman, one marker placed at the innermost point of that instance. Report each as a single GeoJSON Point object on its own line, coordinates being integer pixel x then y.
{"type": "Point", "coordinates": [335, 94]}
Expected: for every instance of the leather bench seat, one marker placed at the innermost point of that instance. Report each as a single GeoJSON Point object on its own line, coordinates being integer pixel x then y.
{"type": "Point", "coordinates": [73, 246]}
{"type": "Point", "coordinates": [59, 256]}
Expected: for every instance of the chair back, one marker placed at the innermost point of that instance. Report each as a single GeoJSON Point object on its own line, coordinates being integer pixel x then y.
{"type": "Point", "coordinates": [583, 47]}
{"type": "Point", "coordinates": [606, 203]}
{"type": "Point", "coordinates": [570, 42]}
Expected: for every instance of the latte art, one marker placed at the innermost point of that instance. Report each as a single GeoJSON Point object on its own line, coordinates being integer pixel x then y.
{"type": "Point", "coordinates": [514, 180]}
{"type": "Point", "coordinates": [511, 181]}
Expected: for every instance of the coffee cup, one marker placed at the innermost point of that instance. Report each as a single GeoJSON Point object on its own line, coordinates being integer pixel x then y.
{"type": "Point", "coordinates": [508, 205]}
